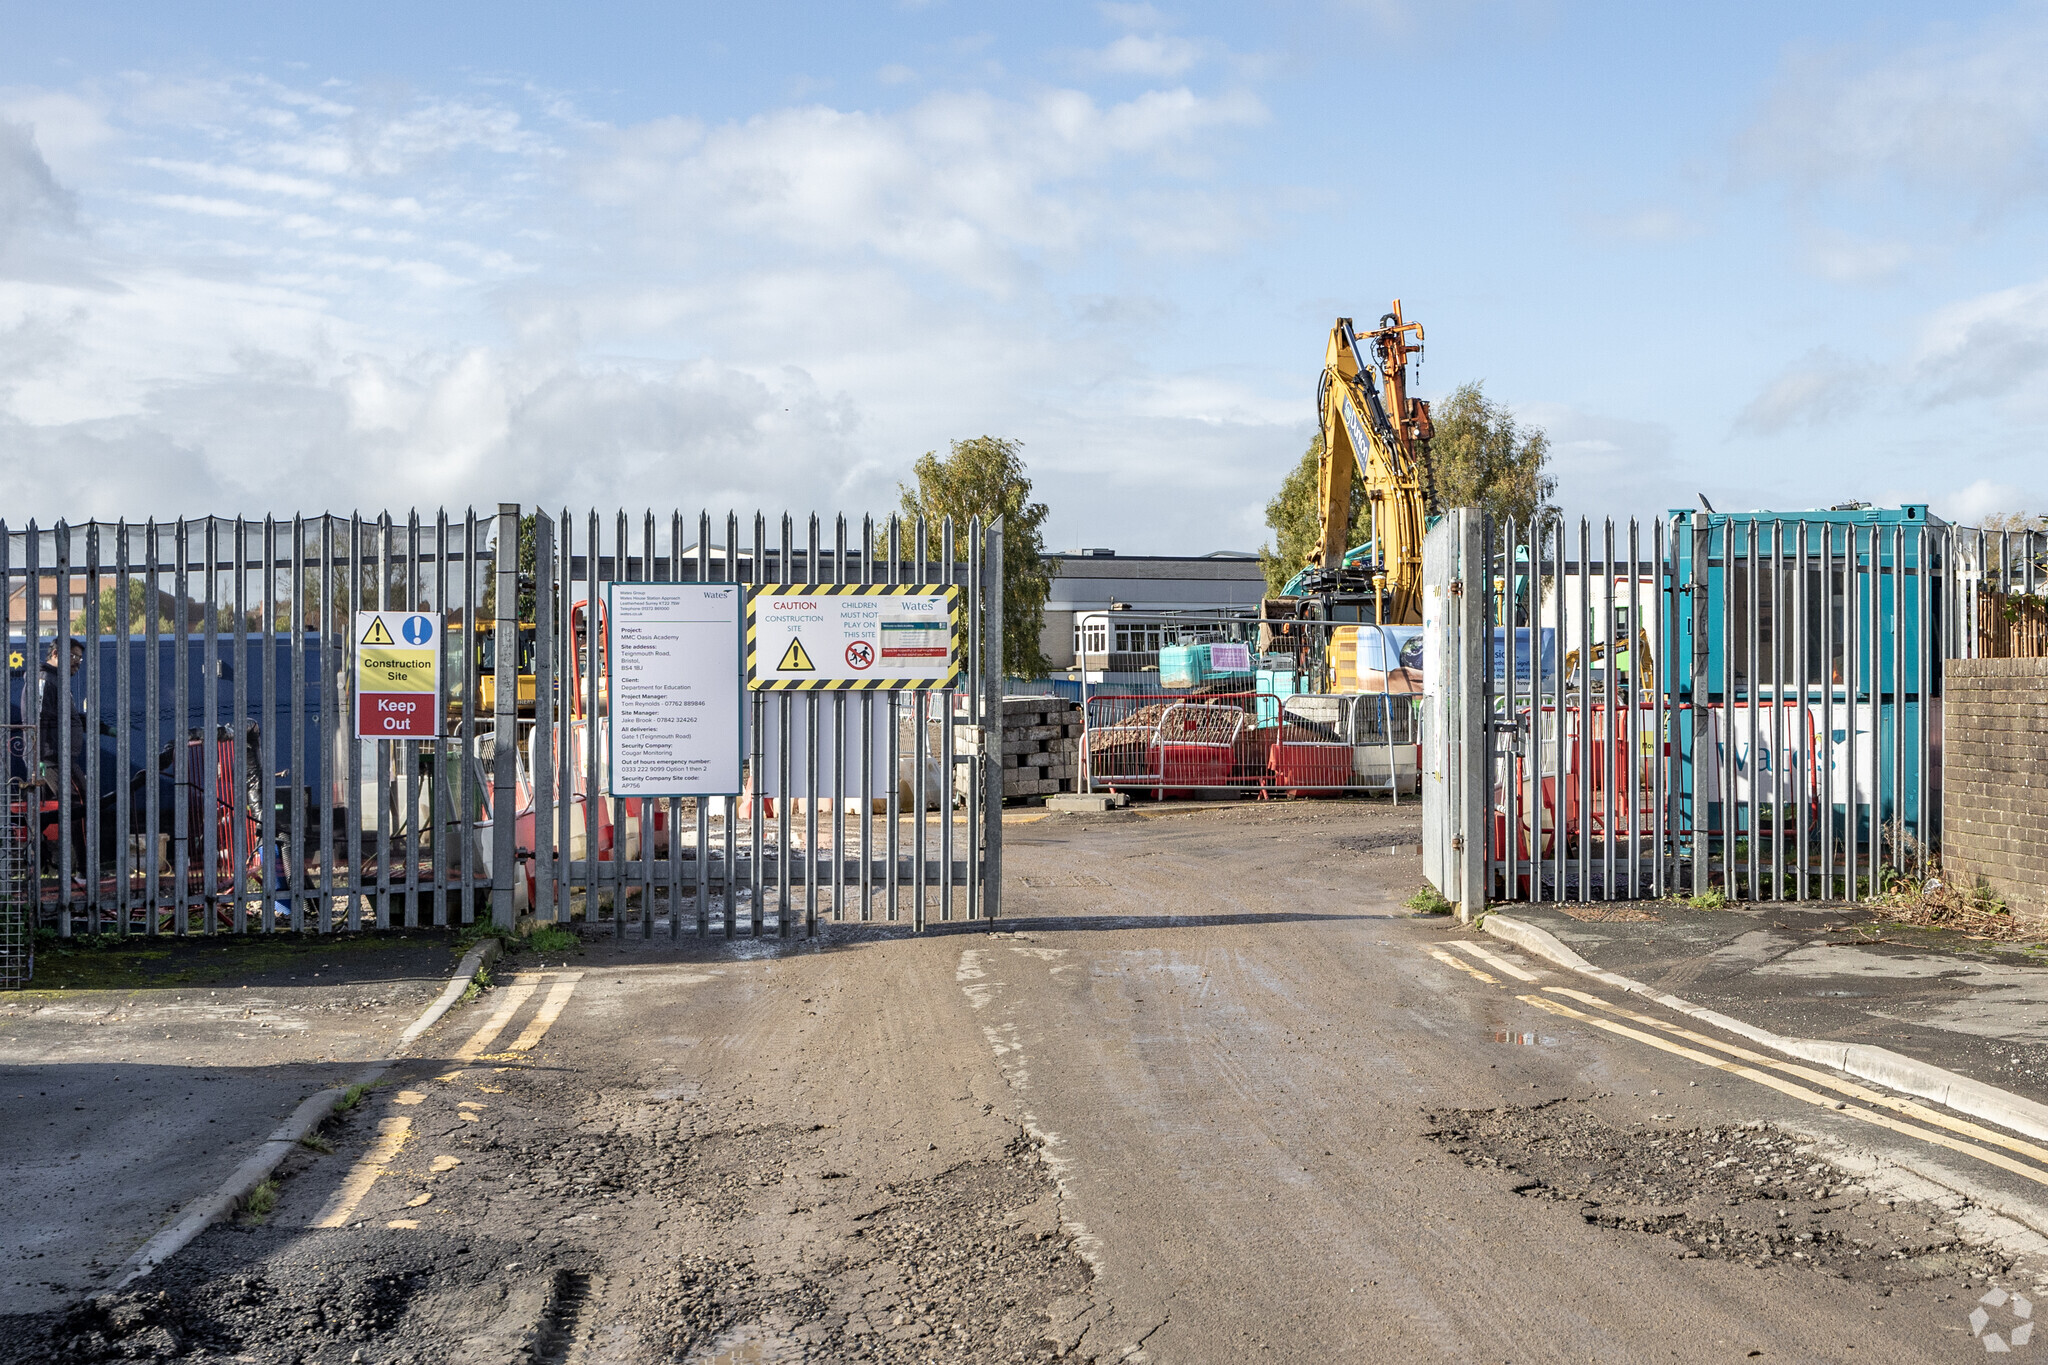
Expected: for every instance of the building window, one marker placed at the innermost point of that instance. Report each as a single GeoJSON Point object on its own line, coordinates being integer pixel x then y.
{"type": "Point", "coordinates": [1138, 637]}
{"type": "Point", "coordinates": [49, 604]}
{"type": "Point", "coordinates": [1091, 637]}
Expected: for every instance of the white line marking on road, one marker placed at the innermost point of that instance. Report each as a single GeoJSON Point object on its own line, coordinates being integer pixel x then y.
{"type": "Point", "coordinates": [970, 970]}
{"type": "Point", "coordinates": [1441, 956]}
{"type": "Point", "coordinates": [1008, 1047]}
{"type": "Point", "coordinates": [391, 1134]}
{"type": "Point", "coordinates": [1492, 959]}
{"type": "Point", "coordinates": [550, 1010]}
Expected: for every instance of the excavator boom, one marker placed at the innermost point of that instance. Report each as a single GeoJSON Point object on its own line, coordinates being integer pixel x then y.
{"type": "Point", "coordinates": [1372, 427]}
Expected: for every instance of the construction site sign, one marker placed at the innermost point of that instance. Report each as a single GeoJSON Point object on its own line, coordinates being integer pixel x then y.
{"type": "Point", "coordinates": [398, 674]}
{"type": "Point", "coordinates": [853, 637]}
{"type": "Point", "coordinates": [675, 689]}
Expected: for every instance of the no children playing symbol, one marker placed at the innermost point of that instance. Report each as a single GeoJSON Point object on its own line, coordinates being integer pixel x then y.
{"type": "Point", "coordinates": [860, 654]}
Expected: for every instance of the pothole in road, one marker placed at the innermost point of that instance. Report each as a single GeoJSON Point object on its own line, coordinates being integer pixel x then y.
{"type": "Point", "coordinates": [1749, 1194]}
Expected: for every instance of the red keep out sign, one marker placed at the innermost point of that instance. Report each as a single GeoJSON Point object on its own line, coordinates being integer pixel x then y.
{"type": "Point", "coordinates": [395, 715]}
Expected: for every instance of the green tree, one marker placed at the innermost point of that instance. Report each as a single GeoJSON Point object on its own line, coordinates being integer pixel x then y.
{"type": "Point", "coordinates": [1482, 458]}
{"type": "Point", "coordinates": [1295, 517]}
{"type": "Point", "coordinates": [138, 611]}
{"type": "Point", "coordinates": [984, 477]}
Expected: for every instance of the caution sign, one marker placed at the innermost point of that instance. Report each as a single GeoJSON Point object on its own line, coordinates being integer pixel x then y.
{"type": "Point", "coordinates": [398, 674]}
{"type": "Point", "coordinates": [853, 637]}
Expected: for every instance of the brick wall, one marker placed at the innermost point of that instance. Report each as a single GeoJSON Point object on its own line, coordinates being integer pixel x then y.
{"type": "Point", "coordinates": [1994, 781]}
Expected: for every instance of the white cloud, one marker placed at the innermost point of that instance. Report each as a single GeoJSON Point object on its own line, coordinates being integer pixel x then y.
{"type": "Point", "coordinates": [1133, 16]}
{"type": "Point", "coordinates": [1613, 466]}
{"type": "Point", "coordinates": [1157, 55]}
{"type": "Point", "coordinates": [34, 208]}
{"type": "Point", "coordinates": [962, 183]}
{"type": "Point", "coordinates": [1847, 259]}
{"type": "Point", "coordinates": [68, 129]}
{"type": "Point", "coordinates": [1820, 388]}
{"type": "Point", "coordinates": [1970, 504]}
{"type": "Point", "coordinates": [242, 178]}
{"type": "Point", "coordinates": [1651, 223]}
{"type": "Point", "coordinates": [341, 298]}
{"type": "Point", "coordinates": [1992, 346]}
{"type": "Point", "coordinates": [1966, 115]}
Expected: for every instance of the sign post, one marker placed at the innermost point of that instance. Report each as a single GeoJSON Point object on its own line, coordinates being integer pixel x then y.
{"type": "Point", "coordinates": [675, 689]}
{"type": "Point", "coordinates": [853, 637]}
{"type": "Point", "coordinates": [398, 674]}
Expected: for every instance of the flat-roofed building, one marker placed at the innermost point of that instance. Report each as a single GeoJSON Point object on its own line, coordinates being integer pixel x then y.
{"type": "Point", "coordinates": [1100, 600]}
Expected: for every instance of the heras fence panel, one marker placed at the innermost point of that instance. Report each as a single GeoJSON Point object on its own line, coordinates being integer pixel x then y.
{"type": "Point", "coordinates": [1184, 704]}
{"type": "Point", "coordinates": [187, 694]}
{"type": "Point", "coordinates": [859, 801]}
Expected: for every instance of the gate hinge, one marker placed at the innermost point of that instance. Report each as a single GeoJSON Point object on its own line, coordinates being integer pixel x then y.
{"type": "Point", "coordinates": [1457, 843]}
{"type": "Point", "coordinates": [1458, 588]}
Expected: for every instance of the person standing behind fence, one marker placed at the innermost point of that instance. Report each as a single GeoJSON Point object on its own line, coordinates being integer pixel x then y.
{"type": "Point", "coordinates": [50, 728]}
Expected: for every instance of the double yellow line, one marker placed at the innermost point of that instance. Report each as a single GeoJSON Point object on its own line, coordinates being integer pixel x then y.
{"type": "Point", "coordinates": [1769, 1071]}
{"type": "Point", "coordinates": [392, 1132]}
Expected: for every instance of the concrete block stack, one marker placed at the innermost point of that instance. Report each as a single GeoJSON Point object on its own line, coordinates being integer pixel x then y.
{"type": "Point", "coordinates": [1041, 746]}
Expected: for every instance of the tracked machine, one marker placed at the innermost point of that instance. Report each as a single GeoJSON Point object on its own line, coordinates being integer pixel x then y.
{"type": "Point", "coordinates": [1372, 428]}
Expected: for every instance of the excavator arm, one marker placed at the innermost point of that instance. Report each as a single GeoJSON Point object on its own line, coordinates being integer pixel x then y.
{"type": "Point", "coordinates": [1371, 426]}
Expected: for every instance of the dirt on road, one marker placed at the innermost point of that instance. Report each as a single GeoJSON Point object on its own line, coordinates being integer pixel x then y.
{"type": "Point", "coordinates": [1211, 1094]}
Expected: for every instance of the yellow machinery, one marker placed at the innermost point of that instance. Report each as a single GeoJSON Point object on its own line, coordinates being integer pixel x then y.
{"type": "Point", "coordinates": [1370, 425]}
{"type": "Point", "coordinates": [486, 669]}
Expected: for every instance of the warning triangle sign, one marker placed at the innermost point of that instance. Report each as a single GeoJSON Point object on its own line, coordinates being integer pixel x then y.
{"type": "Point", "coordinates": [376, 634]}
{"type": "Point", "coordinates": [794, 660]}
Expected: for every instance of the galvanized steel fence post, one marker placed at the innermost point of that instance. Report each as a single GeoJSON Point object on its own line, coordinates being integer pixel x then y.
{"type": "Point", "coordinates": [505, 718]}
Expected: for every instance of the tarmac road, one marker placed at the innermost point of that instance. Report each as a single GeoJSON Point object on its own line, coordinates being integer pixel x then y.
{"type": "Point", "coordinates": [1213, 1096]}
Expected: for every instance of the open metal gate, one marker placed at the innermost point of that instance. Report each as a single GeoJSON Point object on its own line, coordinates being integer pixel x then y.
{"type": "Point", "coordinates": [1744, 706]}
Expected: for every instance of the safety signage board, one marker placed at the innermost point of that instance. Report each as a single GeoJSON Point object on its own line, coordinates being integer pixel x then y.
{"type": "Point", "coordinates": [676, 699]}
{"type": "Point", "coordinates": [853, 637]}
{"type": "Point", "coordinates": [398, 674]}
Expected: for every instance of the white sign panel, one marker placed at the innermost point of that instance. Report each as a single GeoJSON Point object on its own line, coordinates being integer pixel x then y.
{"type": "Point", "coordinates": [852, 637]}
{"type": "Point", "coordinates": [675, 689]}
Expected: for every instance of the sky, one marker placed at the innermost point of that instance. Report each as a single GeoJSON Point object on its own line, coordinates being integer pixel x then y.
{"type": "Point", "coordinates": [261, 259]}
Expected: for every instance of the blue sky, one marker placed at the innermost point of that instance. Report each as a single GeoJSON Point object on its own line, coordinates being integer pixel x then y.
{"type": "Point", "coordinates": [257, 260]}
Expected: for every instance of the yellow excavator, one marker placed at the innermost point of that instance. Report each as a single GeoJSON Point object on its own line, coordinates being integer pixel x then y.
{"type": "Point", "coordinates": [1381, 432]}
{"type": "Point", "coordinates": [1371, 427]}
{"type": "Point", "coordinates": [1372, 431]}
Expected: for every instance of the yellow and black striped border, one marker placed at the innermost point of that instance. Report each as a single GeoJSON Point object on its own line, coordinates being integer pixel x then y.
{"type": "Point", "coordinates": [955, 608]}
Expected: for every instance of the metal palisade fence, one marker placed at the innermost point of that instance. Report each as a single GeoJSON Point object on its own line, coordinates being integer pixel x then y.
{"type": "Point", "coordinates": [860, 804]}
{"type": "Point", "coordinates": [1744, 705]}
{"type": "Point", "coordinates": [184, 755]}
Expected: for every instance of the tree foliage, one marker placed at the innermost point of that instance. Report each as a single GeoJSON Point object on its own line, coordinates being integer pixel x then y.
{"type": "Point", "coordinates": [984, 477]}
{"type": "Point", "coordinates": [1483, 458]}
{"type": "Point", "coordinates": [1295, 517]}
{"type": "Point", "coordinates": [139, 597]}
